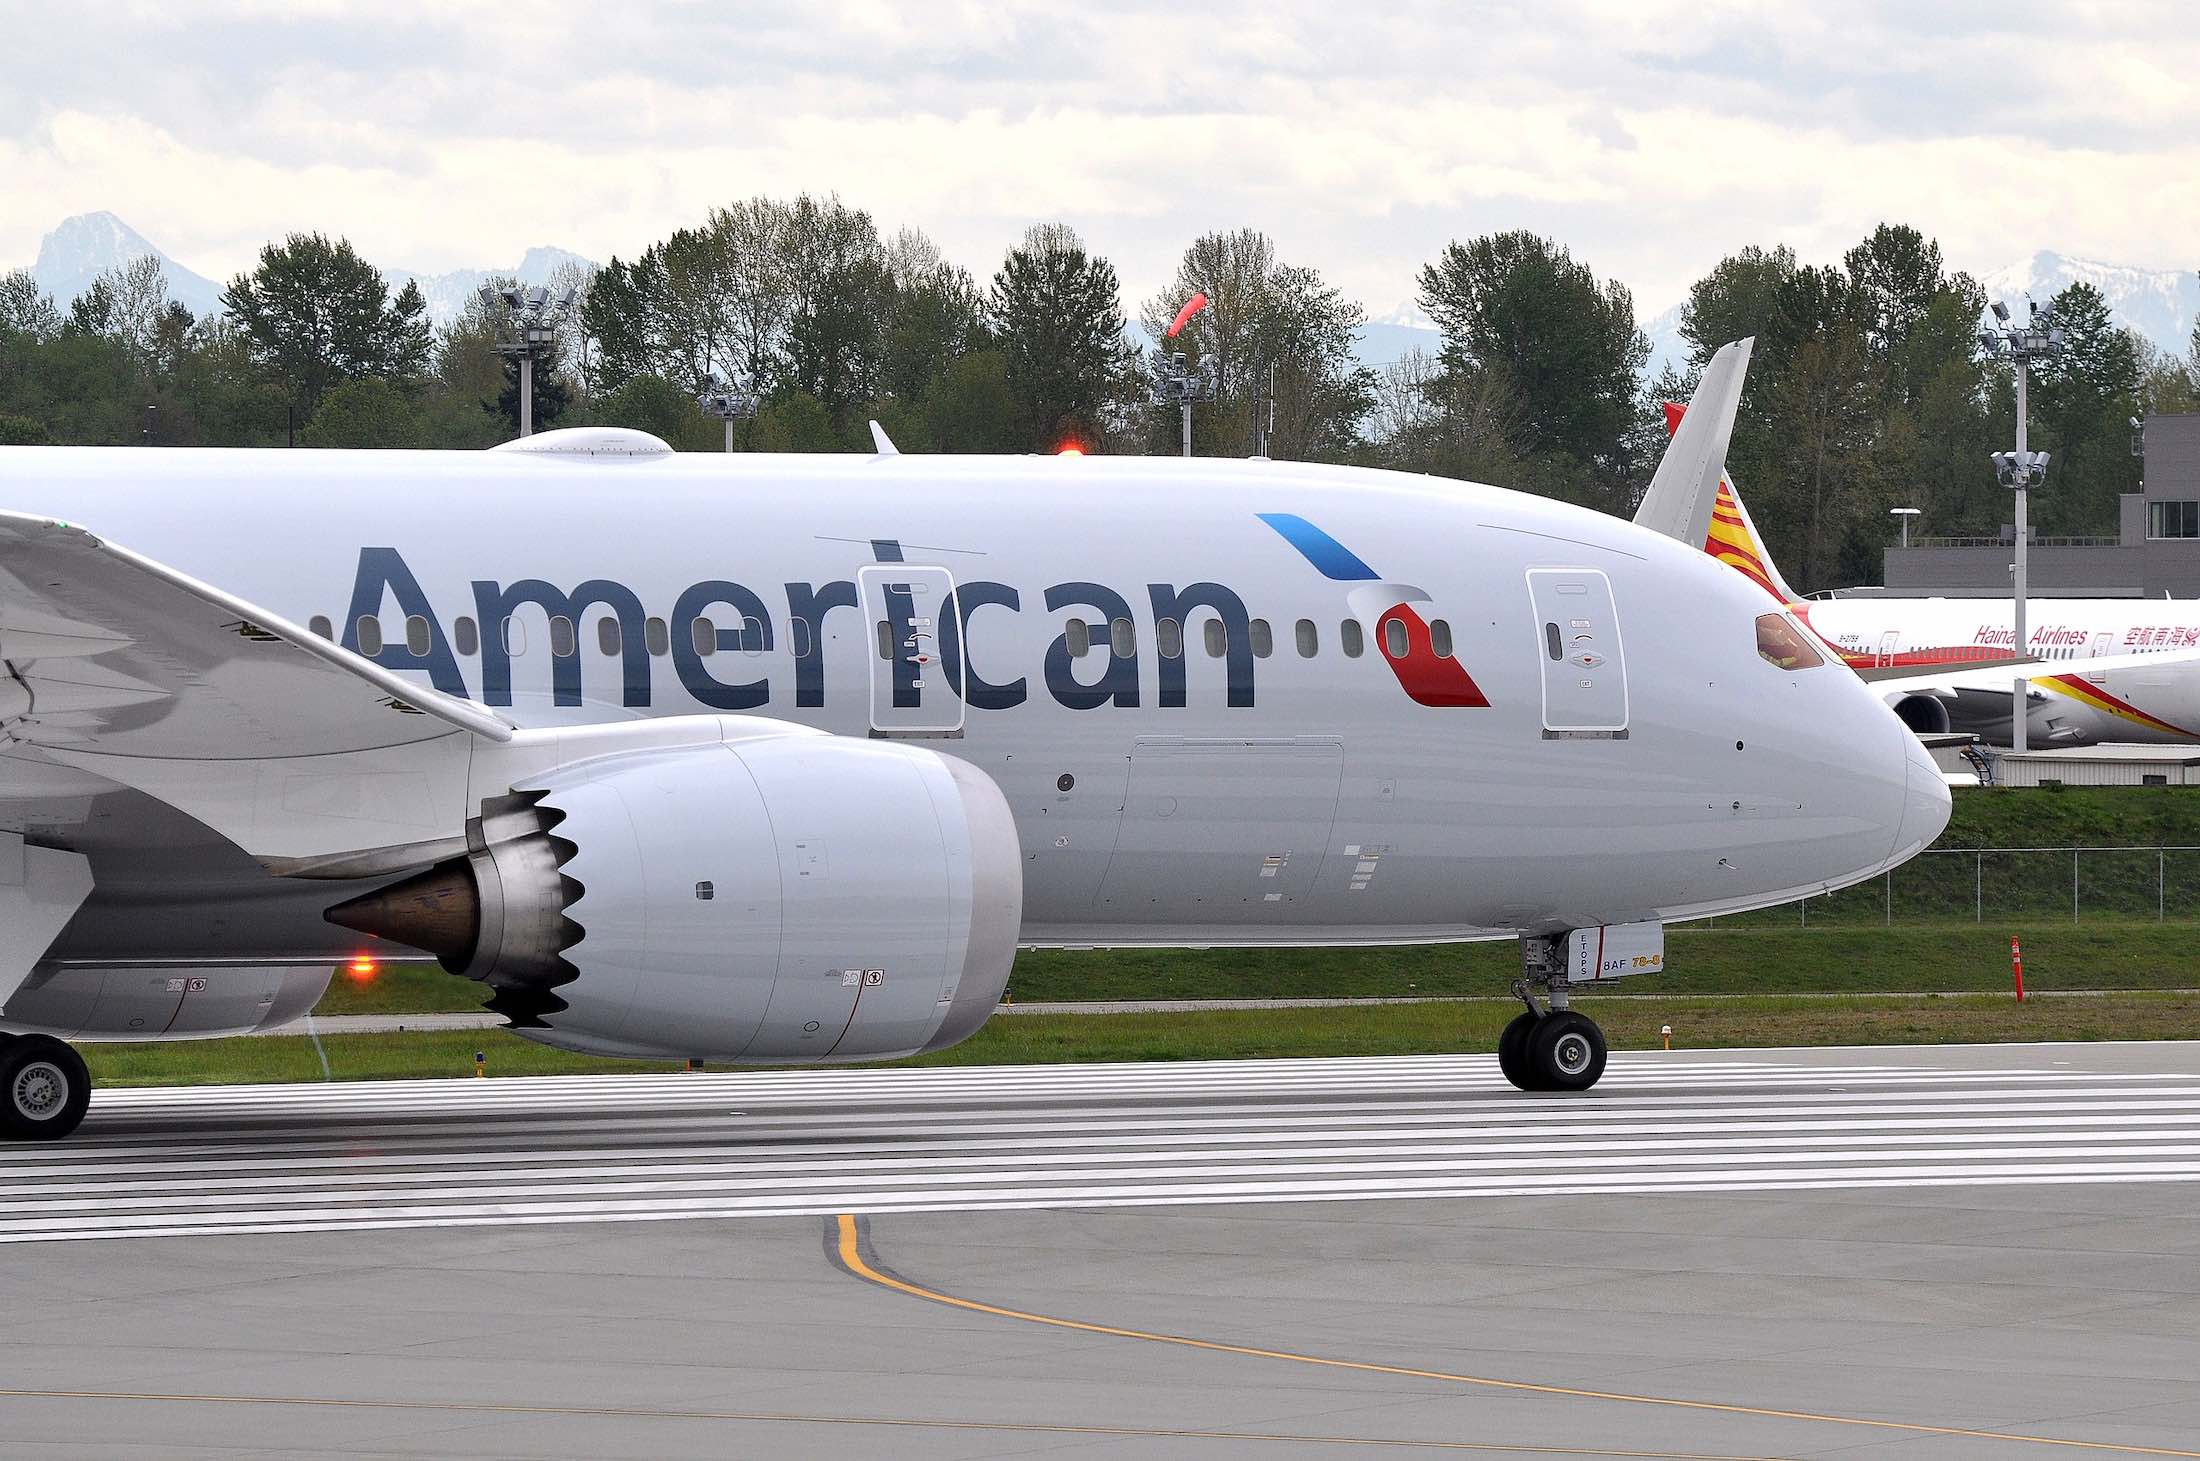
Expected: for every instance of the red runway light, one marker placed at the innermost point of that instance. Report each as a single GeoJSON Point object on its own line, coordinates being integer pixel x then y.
{"type": "Point", "coordinates": [1072, 450]}
{"type": "Point", "coordinates": [362, 968]}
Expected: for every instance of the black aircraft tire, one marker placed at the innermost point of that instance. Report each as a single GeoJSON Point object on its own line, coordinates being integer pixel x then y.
{"type": "Point", "coordinates": [44, 1088]}
{"type": "Point", "coordinates": [1512, 1052]}
{"type": "Point", "coordinates": [1567, 1051]}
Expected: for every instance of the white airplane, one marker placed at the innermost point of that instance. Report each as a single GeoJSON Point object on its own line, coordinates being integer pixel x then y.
{"type": "Point", "coordinates": [2136, 678]}
{"type": "Point", "coordinates": [779, 759]}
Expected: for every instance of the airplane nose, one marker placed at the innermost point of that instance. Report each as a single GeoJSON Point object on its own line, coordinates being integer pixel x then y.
{"type": "Point", "coordinates": [1925, 808]}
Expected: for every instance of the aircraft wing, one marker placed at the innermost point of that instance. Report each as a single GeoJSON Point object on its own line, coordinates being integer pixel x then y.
{"type": "Point", "coordinates": [118, 665]}
{"type": "Point", "coordinates": [2146, 691]}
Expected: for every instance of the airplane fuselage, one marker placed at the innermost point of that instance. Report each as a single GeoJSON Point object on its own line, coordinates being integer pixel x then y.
{"type": "Point", "coordinates": [1226, 702]}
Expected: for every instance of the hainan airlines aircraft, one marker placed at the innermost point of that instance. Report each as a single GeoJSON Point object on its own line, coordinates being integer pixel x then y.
{"type": "Point", "coordinates": [2136, 678]}
{"type": "Point", "coordinates": [779, 759]}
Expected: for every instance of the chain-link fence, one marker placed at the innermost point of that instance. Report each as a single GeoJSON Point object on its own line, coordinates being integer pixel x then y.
{"type": "Point", "coordinates": [2009, 884]}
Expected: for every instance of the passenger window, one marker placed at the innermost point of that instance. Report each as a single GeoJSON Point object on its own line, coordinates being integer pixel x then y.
{"type": "Point", "coordinates": [1123, 638]}
{"type": "Point", "coordinates": [1552, 644]}
{"type": "Point", "coordinates": [1168, 638]}
{"type": "Point", "coordinates": [320, 625]}
{"type": "Point", "coordinates": [656, 636]}
{"type": "Point", "coordinates": [1782, 644]}
{"type": "Point", "coordinates": [1394, 637]}
{"type": "Point", "coordinates": [1263, 642]}
{"type": "Point", "coordinates": [469, 638]}
{"type": "Point", "coordinates": [1351, 639]}
{"type": "Point", "coordinates": [515, 637]}
{"type": "Point", "coordinates": [1218, 639]}
{"type": "Point", "coordinates": [370, 635]}
{"type": "Point", "coordinates": [885, 639]}
{"type": "Point", "coordinates": [799, 633]}
{"type": "Point", "coordinates": [752, 637]}
{"type": "Point", "coordinates": [703, 635]}
{"type": "Point", "coordinates": [1309, 641]}
{"type": "Point", "coordinates": [1078, 635]}
{"type": "Point", "coordinates": [418, 637]}
{"type": "Point", "coordinates": [607, 636]}
{"type": "Point", "coordinates": [563, 642]}
{"type": "Point", "coordinates": [1439, 637]}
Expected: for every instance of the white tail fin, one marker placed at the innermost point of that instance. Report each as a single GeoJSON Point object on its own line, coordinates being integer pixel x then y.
{"type": "Point", "coordinates": [1681, 495]}
{"type": "Point", "coordinates": [1732, 536]}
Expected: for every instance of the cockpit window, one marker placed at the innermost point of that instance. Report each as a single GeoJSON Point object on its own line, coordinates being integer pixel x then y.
{"type": "Point", "coordinates": [1782, 644]}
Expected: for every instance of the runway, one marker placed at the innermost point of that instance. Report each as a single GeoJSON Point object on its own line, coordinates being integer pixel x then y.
{"type": "Point", "coordinates": [1910, 1254]}
{"type": "Point", "coordinates": [319, 1158]}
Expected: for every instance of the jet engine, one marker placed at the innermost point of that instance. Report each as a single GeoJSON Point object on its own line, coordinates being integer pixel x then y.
{"type": "Point", "coordinates": [780, 896]}
{"type": "Point", "coordinates": [1925, 714]}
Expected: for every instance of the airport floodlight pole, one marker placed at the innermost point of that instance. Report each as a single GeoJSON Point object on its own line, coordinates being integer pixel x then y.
{"type": "Point", "coordinates": [1177, 382]}
{"type": "Point", "coordinates": [527, 328]}
{"type": "Point", "coordinates": [1903, 515]}
{"type": "Point", "coordinates": [2039, 338]}
{"type": "Point", "coordinates": [729, 403]}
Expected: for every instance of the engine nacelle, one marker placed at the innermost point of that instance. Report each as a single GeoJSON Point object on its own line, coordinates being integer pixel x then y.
{"type": "Point", "coordinates": [1925, 714]}
{"type": "Point", "coordinates": [780, 896]}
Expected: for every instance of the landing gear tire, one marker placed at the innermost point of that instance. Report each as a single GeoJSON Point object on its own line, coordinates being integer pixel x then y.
{"type": "Point", "coordinates": [1566, 1052]}
{"type": "Point", "coordinates": [1512, 1052]}
{"type": "Point", "coordinates": [44, 1088]}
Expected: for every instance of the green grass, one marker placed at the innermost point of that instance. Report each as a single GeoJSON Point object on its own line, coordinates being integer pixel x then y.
{"type": "Point", "coordinates": [2074, 816]}
{"type": "Point", "coordinates": [1720, 960]}
{"type": "Point", "coordinates": [1417, 1029]}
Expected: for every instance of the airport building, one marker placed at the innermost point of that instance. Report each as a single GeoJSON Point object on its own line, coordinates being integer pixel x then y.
{"type": "Point", "coordinates": [2156, 550]}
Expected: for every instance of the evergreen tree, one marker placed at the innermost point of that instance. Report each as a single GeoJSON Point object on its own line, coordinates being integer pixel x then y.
{"type": "Point", "coordinates": [1558, 344]}
{"type": "Point", "coordinates": [315, 313]}
{"type": "Point", "coordinates": [1056, 312]}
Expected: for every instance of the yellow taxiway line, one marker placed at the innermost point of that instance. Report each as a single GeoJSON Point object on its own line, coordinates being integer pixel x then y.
{"type": "Point", "coordinates": [852, 1243]}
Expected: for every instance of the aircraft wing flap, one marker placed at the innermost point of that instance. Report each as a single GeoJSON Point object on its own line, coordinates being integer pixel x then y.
{"type": "Point", "coordinates": [105, 651]}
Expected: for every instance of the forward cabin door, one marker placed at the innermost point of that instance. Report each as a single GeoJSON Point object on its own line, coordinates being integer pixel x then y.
{"type": "Point", "coordinates": [1887, 643]}
{"type": "Point", "coordinates": [1584, 668]}
{"type": "Point", "coordinates": [909, 608]}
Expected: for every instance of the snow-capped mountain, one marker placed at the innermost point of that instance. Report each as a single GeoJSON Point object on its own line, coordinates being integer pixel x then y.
{"type": "Point", "coordinates": [1387, 339]}
{"type": "Point", "coordinates": [86, 246]}
{"type": "Point", "coordinates": [1666, 345]}
{"type": "Point", "coordinates": [448, 292]}
{"type": "Point", "coordinates": [2159, 303]}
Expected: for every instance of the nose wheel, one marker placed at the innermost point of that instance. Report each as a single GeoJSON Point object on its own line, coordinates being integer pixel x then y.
{"type": "Point", "coordinates": [1549, 1047]}
{"type": "Point", "coordinates": [44, 1088]}
{"type": "Point", "coordinates": [1560, 1050]}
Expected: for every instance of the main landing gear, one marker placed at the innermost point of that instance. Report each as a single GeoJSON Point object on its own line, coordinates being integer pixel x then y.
{"type": "Point", "coordinates": [1550, 1047]}
{"type": "Point", "coordinates": [44, 1087]}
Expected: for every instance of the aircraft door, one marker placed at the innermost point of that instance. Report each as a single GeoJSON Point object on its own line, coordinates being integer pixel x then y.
{"type": "Point", "coordinates": [1584, 668]}
{"type": "Point", "coordinates": [1887, 643]}
{"type": "Point", "coordinates": [2102, 643]}
{"type": "Point", "coordinates": [908, 609]}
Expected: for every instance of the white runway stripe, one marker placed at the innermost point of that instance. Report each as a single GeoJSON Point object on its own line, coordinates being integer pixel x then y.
{"type": "Point", "coordinates": [274, 1159]}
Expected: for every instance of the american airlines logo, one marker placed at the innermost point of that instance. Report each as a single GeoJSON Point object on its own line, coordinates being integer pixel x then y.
{"type": "Point", "coordinates": [720, 617]}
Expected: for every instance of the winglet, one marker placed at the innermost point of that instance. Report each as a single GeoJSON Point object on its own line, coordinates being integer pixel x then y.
{"type": "Point", "coordinates": [1686, 486]}
{"type": "Point", "coordinates": [883, 442]}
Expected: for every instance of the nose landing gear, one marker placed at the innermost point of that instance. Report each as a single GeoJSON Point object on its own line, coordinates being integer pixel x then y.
{"type": "Point", "coordinates": [44, 1087]}
{"type": "Point", "coordinates": [1551, 1047]}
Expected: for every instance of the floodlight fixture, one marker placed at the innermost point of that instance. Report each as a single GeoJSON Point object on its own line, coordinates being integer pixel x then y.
{"type": "Point", "coordinates": [2039, 338]}
{"type": "Point", "coordinates": [526, 329]}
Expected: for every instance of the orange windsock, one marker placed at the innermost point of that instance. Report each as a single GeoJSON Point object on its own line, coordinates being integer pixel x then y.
{"type": "Point", "coordinates": [1192, 307]}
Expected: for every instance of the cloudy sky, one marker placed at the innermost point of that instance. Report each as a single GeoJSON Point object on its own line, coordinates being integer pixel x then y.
{"type": "Point", "coordinates": [1649, 138]}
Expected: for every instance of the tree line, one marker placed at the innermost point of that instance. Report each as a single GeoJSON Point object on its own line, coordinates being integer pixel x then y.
{"type": "Point", "coordinates": [1868, 389]}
